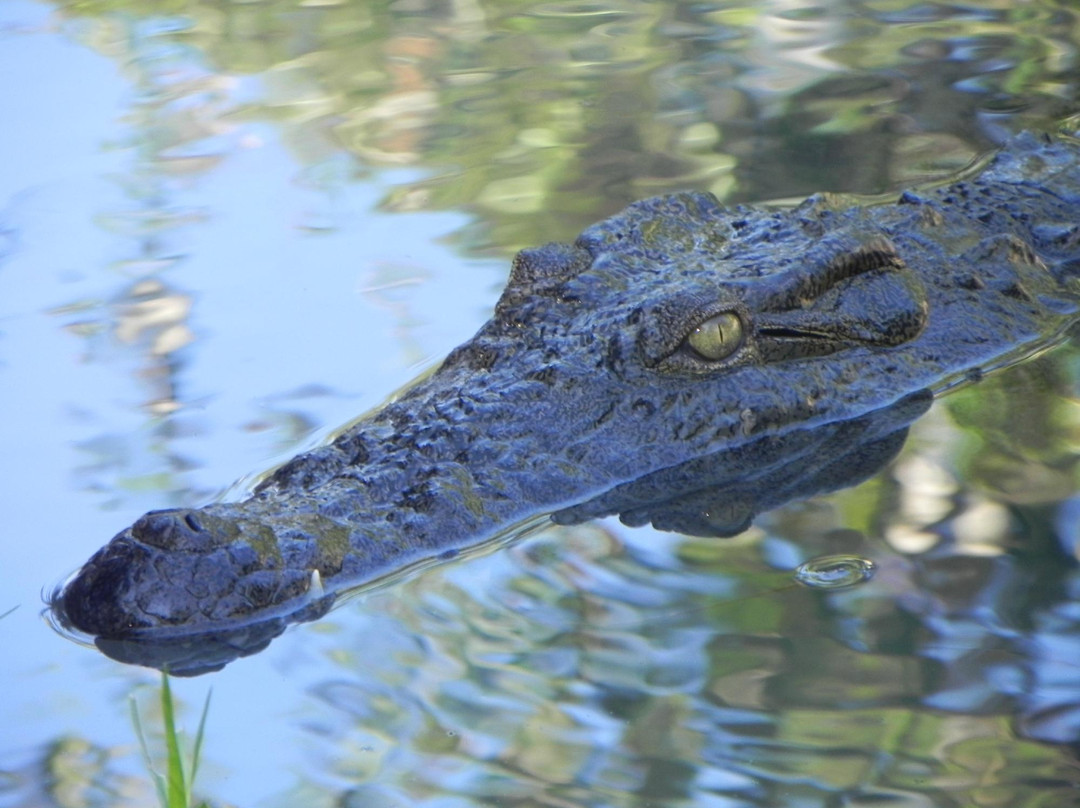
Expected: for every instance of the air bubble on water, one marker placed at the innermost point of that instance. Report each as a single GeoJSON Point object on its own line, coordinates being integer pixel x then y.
{"type": "Point", "coordinates": [834, 571]}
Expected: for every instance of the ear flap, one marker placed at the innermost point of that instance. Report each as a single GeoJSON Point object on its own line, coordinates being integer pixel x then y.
{"type": "Point", "coordinates": [827, 261]}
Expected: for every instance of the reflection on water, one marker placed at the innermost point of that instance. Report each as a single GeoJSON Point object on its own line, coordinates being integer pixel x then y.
{"type": "Point", "coordinates": [593, 670]}
{"type": "Point", "coordinates": [545, 117]}
{"type": "Point", "coordinates": [599, 668]}
{"type": "Point", "coordinates": [597, 665]}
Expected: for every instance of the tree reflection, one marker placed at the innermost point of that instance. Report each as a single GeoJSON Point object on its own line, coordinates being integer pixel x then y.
{"type": "Point", "coordinates": [594, 665]}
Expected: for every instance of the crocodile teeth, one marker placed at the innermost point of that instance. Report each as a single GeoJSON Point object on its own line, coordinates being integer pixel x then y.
{"type": "Point", "coordinates": [315, 588]}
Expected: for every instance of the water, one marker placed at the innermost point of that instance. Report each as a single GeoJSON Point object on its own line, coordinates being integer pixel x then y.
{"type": "Point", "coordinates": [226, 231]}
{"type": "Point", "coordinates": [834, 571]}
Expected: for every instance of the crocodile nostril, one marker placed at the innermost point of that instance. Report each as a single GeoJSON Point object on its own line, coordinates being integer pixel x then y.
{"type": "Point", "coordinates": [172, 529]}
{"type": "Point", "coordinates": [155, 528]}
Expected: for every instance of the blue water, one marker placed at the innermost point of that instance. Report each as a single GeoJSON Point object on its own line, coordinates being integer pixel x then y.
{"type": "Point", "coordinates": [294, 331]}
{"type": "Point", "coordinates": [209, 260]}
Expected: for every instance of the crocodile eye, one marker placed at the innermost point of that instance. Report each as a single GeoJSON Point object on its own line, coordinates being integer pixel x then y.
{"type": "Point", "coordinates": [717, 338]}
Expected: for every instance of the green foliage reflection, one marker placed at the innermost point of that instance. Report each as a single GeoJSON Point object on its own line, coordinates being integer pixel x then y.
{"type": "Point", "coordinates": [544, 117]}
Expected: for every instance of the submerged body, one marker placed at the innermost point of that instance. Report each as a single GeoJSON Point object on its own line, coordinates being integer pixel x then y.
{"type": "Point", "coordinates": [675, 330]}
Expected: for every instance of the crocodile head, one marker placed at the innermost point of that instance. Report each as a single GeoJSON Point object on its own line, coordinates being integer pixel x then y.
{"type": "Point", "coordinates": [680, 327]}
{"type": "Point", "coordinates": [674, 330]}
{"type": "Point", "coordinates": [649, 323]}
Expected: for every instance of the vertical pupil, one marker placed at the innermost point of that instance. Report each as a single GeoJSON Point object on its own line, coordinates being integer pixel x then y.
{"type": "Point", "coordinates": [716, 338]}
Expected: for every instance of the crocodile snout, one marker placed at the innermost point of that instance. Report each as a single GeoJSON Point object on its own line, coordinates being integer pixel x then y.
{"type": "Point", "coordinates": [94, 601]}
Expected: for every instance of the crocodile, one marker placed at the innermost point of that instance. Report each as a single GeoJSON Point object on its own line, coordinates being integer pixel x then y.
{"type": "Point", "coordinates": [675, 331]}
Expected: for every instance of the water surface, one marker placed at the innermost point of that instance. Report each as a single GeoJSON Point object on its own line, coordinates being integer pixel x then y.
{"type": "Point", "coordinates": [227, 228]}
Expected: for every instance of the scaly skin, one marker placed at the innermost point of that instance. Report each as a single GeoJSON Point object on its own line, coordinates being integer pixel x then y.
{"type": "Point", "coordinates": [588, 378]}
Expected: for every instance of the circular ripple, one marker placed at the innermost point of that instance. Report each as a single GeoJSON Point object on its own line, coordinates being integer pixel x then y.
{"type": "Point", "coordinates": [834, 571]}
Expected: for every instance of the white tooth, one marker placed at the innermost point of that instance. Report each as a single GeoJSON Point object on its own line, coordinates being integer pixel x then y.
{"type": "Point", "coordinates": [315, 588]}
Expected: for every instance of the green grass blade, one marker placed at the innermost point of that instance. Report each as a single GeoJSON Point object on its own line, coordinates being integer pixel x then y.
{"type": "Point", "coordinates": [177, 784]}
{"type": "Point", "coordinates": [159, 781]}
{"type": "Point", "coordinates": [174, 788]}
{"type": "Point", "coordinates": [198, 740]}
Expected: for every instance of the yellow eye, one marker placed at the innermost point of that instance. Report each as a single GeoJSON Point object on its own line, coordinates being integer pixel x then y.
{"type": "Point", "coordinates": [717, 338]}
